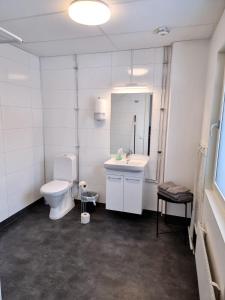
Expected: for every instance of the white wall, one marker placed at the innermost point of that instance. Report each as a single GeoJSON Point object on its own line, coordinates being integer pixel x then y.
{"type": "Point", "coordinates": [58, 91]}
{"type": "Point", "coordinates": [187, 86]}
{"type": "Point", "coordinates": [213, 84]}
{"type": "Point", "coordinates": [214, 209]}
{"type": "Point", "coordinates": [213, 95]}
{"type": "Point", "coordinates": [21, 136]}
{"type": "Point", "coordinates": [97, 75]}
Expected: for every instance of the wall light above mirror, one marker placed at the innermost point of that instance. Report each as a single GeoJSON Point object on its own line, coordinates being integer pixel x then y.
{"type": "Point", "coordinates": [138, 71]}
{"type": "Point", "coordinates": [130, 89]}
{"type": "Point", "coordinates": [132, 86]}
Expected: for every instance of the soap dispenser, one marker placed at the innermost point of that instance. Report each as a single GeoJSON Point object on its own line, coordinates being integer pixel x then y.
{"type": "Point", "coordinates": [119, 155]}
{"type": "Point", "coordinates": [100, 109]}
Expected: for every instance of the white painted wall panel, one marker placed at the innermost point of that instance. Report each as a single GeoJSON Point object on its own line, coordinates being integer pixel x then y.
{"type": "Point", "coordinates": [214, 207]}
{"type": "Point", "coordinates": [20, 130]}
{"type": "Point", "coordinates": [188, 74]}
{"type": "Point", "coordinates": [59, 95]}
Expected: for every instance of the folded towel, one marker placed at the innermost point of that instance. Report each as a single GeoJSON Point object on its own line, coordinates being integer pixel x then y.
{"type": "Point", "coordinates": [181, 197]}
{"type": "Point", "coordinates": [177, 189]}
{"type": "Point", "coordinates": [166, 185]}
{"type": "Point", "coordinates": [174, 195]}
{"type": "Point", "coordinates": [172, 188]}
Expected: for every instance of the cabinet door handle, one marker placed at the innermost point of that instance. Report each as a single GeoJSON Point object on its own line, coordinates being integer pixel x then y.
{"type": "Point", "coordinates": [132, 179]}
{"type": "Point", "coordinates": [114, 178]}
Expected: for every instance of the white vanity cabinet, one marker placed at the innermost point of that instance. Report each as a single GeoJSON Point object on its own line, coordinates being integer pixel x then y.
{"type": "Point", "coordinates": [132, 195]}
{"type": "Point", "coordinates": [114, 192]}
{"type": "Point", "coordinates": [124, 191]}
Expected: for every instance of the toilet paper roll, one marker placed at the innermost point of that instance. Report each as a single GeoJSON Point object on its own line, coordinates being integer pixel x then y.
{"type": "Point", "coordinates": [85, 218]}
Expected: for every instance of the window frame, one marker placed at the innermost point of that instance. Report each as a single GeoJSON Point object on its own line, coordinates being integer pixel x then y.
{"type": "Point", "coordinates": [222, 109]}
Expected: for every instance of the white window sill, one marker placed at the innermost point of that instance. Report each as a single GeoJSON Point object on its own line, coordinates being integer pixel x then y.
{"type": "Point", "coordinates": [218, 209]}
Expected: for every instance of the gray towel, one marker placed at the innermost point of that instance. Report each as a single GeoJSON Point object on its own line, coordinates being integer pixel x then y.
{"type": "Point", "coordinates": [180, 197]}
{"type": "Point", "coordinates": [177, 189]}
{"type": "Point", "coordinates": [174, 195]}
{"type": "Point", "coordinates": [172, 188]}
{"type": "Point", "coordinates": [166, 185]}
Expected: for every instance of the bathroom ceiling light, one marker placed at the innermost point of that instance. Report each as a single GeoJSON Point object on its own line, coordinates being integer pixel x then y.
{"type": "Point", "coordinates": [162, 30]}
{"type": "Point", "coordinates": [89, 12]}
{"type": "Point", "coordinates": [131, 88]}
{"type": "Point", "coordinates": [138, 71]}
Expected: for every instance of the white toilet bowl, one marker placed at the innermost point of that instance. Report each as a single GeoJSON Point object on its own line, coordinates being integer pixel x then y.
{"type": "Point", "coordinates": [58, 195]}
{"type": "Point", "coordinates": [58, 192]}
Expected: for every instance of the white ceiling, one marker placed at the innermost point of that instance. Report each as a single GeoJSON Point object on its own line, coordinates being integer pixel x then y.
{"type": "Point", "coordinates": [47, 30]}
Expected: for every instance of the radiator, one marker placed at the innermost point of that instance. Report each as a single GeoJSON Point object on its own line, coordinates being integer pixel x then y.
{"type": "Point", "coordinates": [205, 284]}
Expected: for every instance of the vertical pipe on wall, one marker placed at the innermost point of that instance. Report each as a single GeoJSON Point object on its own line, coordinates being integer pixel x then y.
{"type": "Point", "coordinates": [167, 53]}
{"type": "Point", "coordinates": [76, 108]}
{"type": "Point", "coordinates": [163, 118]}
{"type": "Point", "coordinates": [43, 112]}
{"type": "Point", "coordinates": [135, 118]}
{"type": "Point", "coordinates": [164, 112]}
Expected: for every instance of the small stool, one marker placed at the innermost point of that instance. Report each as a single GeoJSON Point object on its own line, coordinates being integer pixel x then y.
{"type": "Point", "coordinates": [171, 200]}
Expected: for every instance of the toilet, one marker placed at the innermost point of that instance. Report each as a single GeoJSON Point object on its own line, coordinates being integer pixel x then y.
{"type": "Point", "coordinates": [58, 192]}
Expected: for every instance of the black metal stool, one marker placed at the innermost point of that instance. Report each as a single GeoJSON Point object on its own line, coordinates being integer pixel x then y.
{"type": "Point", "coordinates": [172, 200]}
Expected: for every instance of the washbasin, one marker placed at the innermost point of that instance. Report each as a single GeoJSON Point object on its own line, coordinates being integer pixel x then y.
{"type": "Point", "coordinates": [134, 163]}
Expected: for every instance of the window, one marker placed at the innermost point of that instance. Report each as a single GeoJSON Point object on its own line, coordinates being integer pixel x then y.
{"type": "Point", "coordinates": [220, 164]}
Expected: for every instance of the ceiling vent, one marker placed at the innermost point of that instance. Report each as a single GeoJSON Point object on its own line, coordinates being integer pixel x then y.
{"type": "Point", "coordinates": [162, 30]}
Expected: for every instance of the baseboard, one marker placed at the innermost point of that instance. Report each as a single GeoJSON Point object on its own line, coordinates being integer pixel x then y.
{"type": "Point", "coordinates": [4, 224]}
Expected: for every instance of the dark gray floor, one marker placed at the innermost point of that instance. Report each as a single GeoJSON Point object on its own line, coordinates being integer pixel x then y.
{"type": "Point", "coordinates": [116, 256]}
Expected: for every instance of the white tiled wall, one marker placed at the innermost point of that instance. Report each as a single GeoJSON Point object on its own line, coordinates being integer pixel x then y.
{"type": "Point", "coordinates": [58, 88]}
{"type": "Point", "coordinates": [21, 132]}
{"type": "Point", "coordinates": [187, 87]}
{"type": "Point", "coordinates": [97, 75]}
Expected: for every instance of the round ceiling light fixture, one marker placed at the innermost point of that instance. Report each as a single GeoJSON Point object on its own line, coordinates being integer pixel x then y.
{"type": "Point", "coordinates": [89, 12]}
{"type": "Point", "coordinates": [162, 30]}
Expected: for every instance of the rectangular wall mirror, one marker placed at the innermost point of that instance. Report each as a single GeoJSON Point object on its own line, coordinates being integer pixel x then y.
{"type": "Point", "coordinates": [131, 123]}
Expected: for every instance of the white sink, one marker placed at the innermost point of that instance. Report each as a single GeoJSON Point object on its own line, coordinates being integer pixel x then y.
{"type": "Point", "coordinates": [134, 163]}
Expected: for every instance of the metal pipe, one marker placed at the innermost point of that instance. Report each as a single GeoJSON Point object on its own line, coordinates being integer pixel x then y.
{"type": "Point", "coordinates": [163, 114]}
{"type": "Point", "coordinates": [131, 66]}
{"type": "Point", "coordinates": [163, 117]}
{"type": "Point", "coordinates": [135, 118]}
{"type": "Point", "coordinates": [76, 108]}
{"type": "Point", "coordinates": [12, 35]}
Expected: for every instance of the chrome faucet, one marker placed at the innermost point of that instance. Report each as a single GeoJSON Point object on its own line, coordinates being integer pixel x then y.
{"type": "Point", "coordinates": [128, 153]}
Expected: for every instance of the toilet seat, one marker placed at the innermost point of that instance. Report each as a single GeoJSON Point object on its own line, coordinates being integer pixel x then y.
{"type": "Point", "coordinates": [56, 187]}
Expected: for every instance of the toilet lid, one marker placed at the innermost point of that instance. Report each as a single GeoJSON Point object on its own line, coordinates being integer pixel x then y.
{"type": "Point", "coordinates": [55, 186]}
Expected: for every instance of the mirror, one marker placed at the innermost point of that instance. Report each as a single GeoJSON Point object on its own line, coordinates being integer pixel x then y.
{"type": "Point", "coordinates": [131, 123]}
